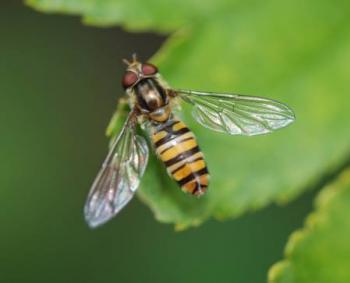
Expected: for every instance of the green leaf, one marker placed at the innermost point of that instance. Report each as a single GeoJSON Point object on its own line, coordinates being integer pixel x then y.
{"type": "Point", "coordinates": [320, 252]}
{"type": "Point", "coordinates": [293, 51]}
{"type": "Point", "coordinates": [137, 15]}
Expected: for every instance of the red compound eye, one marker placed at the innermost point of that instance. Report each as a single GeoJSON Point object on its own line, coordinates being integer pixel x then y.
{"type": "Point", "coordinates": [129, 79]}
{"type": "Point", "coordinates": [149, 69]}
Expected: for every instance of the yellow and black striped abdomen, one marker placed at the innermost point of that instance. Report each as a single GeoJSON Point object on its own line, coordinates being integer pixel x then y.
{"type": "Point", "coordinates": [177, 147]}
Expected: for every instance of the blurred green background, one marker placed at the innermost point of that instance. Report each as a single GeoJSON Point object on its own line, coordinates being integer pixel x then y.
{"type": "Point", "coordinates": [59, 83]}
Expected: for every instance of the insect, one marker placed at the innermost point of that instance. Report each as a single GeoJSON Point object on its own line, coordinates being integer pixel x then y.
{"type": "Point", "coordinates": [152, 101]}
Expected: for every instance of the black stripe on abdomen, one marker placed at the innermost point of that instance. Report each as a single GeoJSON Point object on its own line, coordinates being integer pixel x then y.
{"type": "Point", "coordinates": [181, 156]}
{"type": "Point", "coordinates": [193, 176]}
{"type": "Point", "coordinates": [171, 135]}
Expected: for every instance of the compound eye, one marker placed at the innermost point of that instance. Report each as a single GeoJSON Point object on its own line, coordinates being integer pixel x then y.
{"type": "Point", "coordinates": [149, 69]}
{"type": "Point", "coordinates": [129, 79]}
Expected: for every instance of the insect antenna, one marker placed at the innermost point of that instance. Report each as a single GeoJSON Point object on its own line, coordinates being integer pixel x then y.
{"type": "Point", "coordinates": [133, 58]}
{"type": "Point", "coordinates": [125, 61]}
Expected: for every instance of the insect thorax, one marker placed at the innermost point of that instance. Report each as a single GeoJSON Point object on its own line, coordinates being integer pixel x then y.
{"type": "Point", "coordinates": [151, 99]}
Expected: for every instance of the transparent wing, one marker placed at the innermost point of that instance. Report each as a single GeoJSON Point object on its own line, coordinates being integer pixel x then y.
{"type": "Point", "coordinates": [237, 114]}
{"type": "Point", "coordinates": [119, 176]}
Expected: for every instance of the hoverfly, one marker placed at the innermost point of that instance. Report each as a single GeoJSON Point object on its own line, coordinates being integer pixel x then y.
{"type": "Point", "coordinates": [151, 101]}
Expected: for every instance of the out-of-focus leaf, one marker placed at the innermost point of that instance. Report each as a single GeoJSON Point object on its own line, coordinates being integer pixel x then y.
{"type": "Point", "coordinates": [293, 51]}
{"type": "Point", "coordinates": [164, 16]}
{"type": "Point", "coordinates": [320, 252]}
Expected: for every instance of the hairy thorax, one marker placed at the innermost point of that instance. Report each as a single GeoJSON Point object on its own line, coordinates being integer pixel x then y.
{"type": "Point", "coordinates": [152, 100]}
